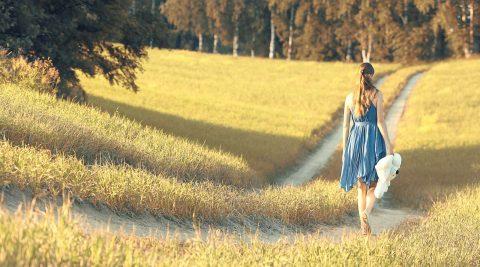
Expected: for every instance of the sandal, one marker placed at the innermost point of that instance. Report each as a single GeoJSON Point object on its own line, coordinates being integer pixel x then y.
{"type": "Point", "coordinates": [366, 229]}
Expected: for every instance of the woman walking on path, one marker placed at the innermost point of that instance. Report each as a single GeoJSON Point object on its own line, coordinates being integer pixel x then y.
{"type": "Point", "coordinates": [364, 143]}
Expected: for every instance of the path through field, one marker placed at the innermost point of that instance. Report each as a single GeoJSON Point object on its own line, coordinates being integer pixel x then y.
{"type": "Point", "coordinates": [385, 216]}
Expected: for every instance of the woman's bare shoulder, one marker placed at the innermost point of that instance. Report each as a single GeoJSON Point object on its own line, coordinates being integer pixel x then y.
{"type": "Point", "coordinates": [378, 94]}
{"type": "Point", "coordinates": [349, 101]}
{"type": "Point", "coordinates": [349, 98]}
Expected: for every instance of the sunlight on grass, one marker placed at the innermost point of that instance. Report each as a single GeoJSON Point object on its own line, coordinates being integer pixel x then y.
{"type": "Point", "coordinates": [28, 117]}
{"type": "Point", "coordinates": [447, 237]}
{"type": "Point", "coordinates": [123, 188]}
{"type": "Point", "coordinates": [263, 110]}
{"type": "Point", "coordinates": [439, 135]}
{"type": "Point", "coordinates": [57, 147]}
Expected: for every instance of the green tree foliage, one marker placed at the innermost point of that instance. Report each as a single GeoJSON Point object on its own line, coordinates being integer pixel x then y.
{"type": "Point", "coordinates": [188, 16]}
{"type": "Point", "coordinates": [91, 36]}
{"type": "Point", "coordinates": [107, 37]}
{"type": "Point", "coordinates": [388, 30]}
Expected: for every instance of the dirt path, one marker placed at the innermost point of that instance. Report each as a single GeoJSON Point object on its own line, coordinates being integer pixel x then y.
{"type": "Point", "coordinates": [385, 215]}
{"type": "Point", "coordinates": [101, 218]}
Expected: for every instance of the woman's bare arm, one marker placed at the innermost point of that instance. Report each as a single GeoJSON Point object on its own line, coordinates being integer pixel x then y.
{"type": "Point", "coordinates": [381, 123]}
{"type": "Point", "coordinates": [346, 121]}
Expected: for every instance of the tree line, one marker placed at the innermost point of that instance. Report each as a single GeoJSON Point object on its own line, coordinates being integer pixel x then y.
{"type": "Point", "coordinates": [100, 37]}
{"type": "Point", "coordinates": [393, 30]}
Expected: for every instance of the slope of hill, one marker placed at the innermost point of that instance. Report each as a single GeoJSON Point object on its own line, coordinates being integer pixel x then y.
{"type": "Point", "coordinates": [265, 111]}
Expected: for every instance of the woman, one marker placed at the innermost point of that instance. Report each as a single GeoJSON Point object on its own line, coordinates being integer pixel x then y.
{"type": "Point", "coordinates": [365, 143]}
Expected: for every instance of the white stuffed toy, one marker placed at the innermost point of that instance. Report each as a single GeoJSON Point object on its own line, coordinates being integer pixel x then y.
{"type": "Point", "coordinates": [387, 170]}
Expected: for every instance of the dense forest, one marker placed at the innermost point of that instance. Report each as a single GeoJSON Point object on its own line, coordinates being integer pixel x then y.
{"type": "Point", "coordinates": [99, 37]}
{"type": "Point", "coordinates": [393, 30]}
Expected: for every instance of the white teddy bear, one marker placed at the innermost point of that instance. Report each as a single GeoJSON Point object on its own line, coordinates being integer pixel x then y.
{"type": "Point", "coordinates": [387, 170]}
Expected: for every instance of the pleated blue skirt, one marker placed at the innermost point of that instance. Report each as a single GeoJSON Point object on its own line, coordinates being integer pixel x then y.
{"type": "Point", "coordinates": [365, 146]}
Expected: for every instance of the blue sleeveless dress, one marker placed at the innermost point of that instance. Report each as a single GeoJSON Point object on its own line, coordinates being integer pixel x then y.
{"type": "Point", "coordinates": [365, 146]}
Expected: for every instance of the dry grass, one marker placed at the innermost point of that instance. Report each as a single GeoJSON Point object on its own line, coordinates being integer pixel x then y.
{"type": "Point", "coordinates": [439, 136]}
{"type": "Point", "coordinates": [104, 142]}
{"type": "Point", "coordinates": [124, 188]}
{"type": "Point", "coordinates": [448, 237]}
{"type": "Point", "coordinates": [390, 89]}
{"type": "Point", "coordinates": [28, 117]}
{"type": "Point", "coordinates": [438, 139]}
{"type": "Point", "coordinates": [265, 111]}
{"type": "Point", "coordinates": [39, 75]}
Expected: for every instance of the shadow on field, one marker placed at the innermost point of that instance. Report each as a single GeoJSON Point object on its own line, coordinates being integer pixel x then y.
{"type": "Point", "coordinates": [264, 152]}
{"type": "Point", "coordinates": [426, 175]}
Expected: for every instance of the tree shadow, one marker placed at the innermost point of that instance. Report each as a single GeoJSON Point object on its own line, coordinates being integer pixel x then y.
{"type": "Point", "coordinates": [264, 152]}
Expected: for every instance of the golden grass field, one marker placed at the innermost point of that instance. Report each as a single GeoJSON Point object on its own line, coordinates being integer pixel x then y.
{"type": "Point", "coordinates": [126, 189]}
{"type": "Point", "coordinates": [50, 147]}
{"type": "Point", "coordinates": [439, 136]}
{"type": "Point", "coordinates": [59, 147]}
{"type": "Point", "coordinates": [28, 117]}
{"type": "Point", "coordinates": [264, 111]}
{"type": "Point", "coordinates": [447, 237]}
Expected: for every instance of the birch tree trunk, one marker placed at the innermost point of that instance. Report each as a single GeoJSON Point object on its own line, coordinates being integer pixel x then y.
{"type": "Point", "coordinates": [471, 9]}
{"type": "Point", "coordinates": [252, 49]}
{"type": "Point", "coordinates": [466, 50]}
{"type": "Point", "coordinates": [215, 43]}
{"type": "Point", "coordinates": [367, 51]}
{"type": "Point", "coordinates": [348, 56]}
{"type": "Point", "coordinates": [152, 11]}
{"type": "Point", "coordinates": [290, 34]}
{"type": "Point", "coordinates": [364, 55]}
{"type": "Point", "coordinates": [200, 42]}
{"type": "Point", "coordinates": [466, 43]}
{"type": "Point", "coordinates": [272, 39]}
{"type": "Point", "coordinates": [235, 41]}
{"type": "Point", "coordinates": [134, 7]}
{"type": "Point", "coordinates": [405, 12]}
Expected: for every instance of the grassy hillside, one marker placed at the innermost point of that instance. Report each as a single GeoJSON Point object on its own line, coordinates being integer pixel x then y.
{"type": "Point", "coordinates": [108, 159]}
{"type": "Point", "coordinates": [438, 159]}
{"type": "Point", "coordinates": [123, 188]}
{"type": "Point", "coordinates": [28, 117]}
{"type": "Point", "coordinates": [59, 147]}
{"type": "Point", "coordinates": [265, 111]}
{"type": "Point", "coordinates": [439, 137]}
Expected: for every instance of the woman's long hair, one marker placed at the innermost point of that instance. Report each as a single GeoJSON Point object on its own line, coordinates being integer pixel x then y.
{"type": "Point", "coordinates": [365, 89]}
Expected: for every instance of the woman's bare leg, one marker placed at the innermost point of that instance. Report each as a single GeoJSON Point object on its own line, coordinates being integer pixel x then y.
{"type": "Point", "coordinates": [370, 200]}
{"type": "Point", "coordinates": [362, 193]}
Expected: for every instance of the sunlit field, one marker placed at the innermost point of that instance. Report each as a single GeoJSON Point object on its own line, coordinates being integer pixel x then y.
{"type": "Point", "coordinates": [439, 136]}
{"type": "Point", "coordinates": [447, 237]}
{"type": "Point", "coordinates": [55, 147]}
{"type": "Point", "coordinates": [110, 160]}
{"type": "Point", "coordinates": [122, 188]}
{"type": "Point", "coordinates": [208, 133]}
{"type": "Point", "coordinates": [28, 117]}
{"type": "Point", "coordinates": [264, 111]}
